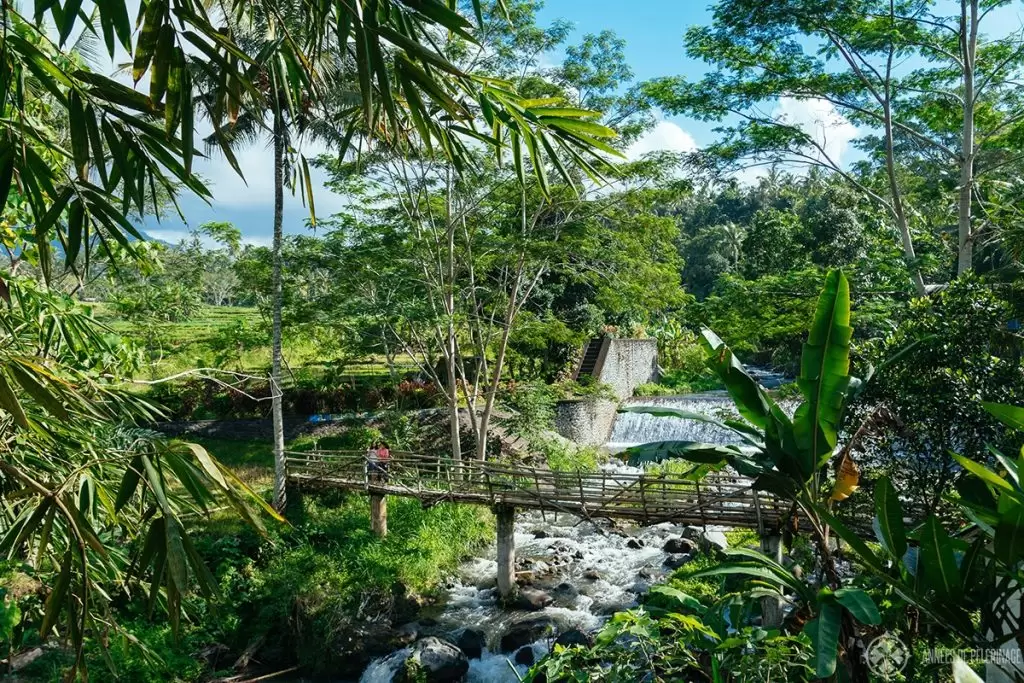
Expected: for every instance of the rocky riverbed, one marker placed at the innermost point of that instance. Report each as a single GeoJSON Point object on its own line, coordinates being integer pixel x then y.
{"type": "Point", "coordinates": [573, 574]}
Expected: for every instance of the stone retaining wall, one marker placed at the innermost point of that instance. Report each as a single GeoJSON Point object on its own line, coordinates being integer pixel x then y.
{"type": "Point", "coordinates": [587, 422]}
{"type": "Point", "coordinates": [628, 364]}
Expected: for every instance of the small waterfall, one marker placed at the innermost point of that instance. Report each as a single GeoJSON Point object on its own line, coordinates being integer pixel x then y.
{"type": "Point", "coordinates": [635, 428]}
{"type": "Point", "coordinates": [631, 429]}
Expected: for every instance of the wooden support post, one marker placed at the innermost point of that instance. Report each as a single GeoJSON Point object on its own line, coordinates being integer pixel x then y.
{"type": "Point", "coordinates": [506, 523]}
{"type": "Point", "coordinates": [771, 608]}
{"type": "Point", "coordinates": [379, 514]}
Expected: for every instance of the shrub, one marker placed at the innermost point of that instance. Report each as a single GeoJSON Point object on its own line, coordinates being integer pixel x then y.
{"type": "Point", "coordinates": [565, 456]}
{"type": "Point", "coordinates": [302, 593]}
{"type": "Point", "coordinates": [658, 389]}
{"type": "Point", "coordinates": [532, 407]}
{"type": "Point", "coordinates": [950, 352]}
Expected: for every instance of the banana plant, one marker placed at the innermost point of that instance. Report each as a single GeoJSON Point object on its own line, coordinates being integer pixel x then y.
{"type": "Point", "coordinates": [784, 455]}
{"type": "Point", "coordinates": [787, 456]}
{"type": "Point", "coordinates": [974, 571]}
{"type": "Point", "coordinates": [821, 610]}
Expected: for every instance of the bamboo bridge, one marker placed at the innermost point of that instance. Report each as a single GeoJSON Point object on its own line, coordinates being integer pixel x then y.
{"type": "Point", "coordinates": [717, 499]}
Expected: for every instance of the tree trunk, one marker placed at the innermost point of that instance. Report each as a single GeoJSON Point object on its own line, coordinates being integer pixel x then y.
{"type": "Point", "coordinates": [453, 401]}
{"type": "Point", "coordinates": [499, 360]}
{"type": "Point", "coordinates": [969, 44]}
{"type": "Point", "coordinates": [899, 211]}
{"type": "Point", "coordinates": [492, 389]}
{"type": "Point", "coordinates": [280, 468]}
{"type": "Point", "coordinates": [451, 346]}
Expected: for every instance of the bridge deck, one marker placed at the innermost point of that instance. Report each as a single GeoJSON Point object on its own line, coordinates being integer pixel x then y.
{"type": "Point", "coordinates": [717, 499]}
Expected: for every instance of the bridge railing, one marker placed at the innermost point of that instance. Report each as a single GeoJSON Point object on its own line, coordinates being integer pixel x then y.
{"type": "Point", "coordinates": [716, 499]}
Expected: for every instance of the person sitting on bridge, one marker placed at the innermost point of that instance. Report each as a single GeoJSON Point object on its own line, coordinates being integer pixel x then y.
{"type": "Point", "coordinates": [383, 458]}
{"type": "Point", "coordinates": [373, 469]}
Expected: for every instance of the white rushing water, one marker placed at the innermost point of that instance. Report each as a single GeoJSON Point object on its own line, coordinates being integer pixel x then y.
{"type": "Point", "coordinates": [636, 428]}
{"type": "Point", "coordinates": [570, 551]}
{"type": "Point", "coordinates": [631, 429]}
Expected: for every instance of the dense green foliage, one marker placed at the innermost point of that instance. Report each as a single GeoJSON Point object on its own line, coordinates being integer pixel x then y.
{"type": "Point", "coordinates": [496, 221]}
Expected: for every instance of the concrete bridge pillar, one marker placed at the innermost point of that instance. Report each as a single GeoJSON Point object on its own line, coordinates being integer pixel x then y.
{"type": "Point", "coordinates": [771, 608]}
{"type": "Point", "coordinates": [506, 522]}
{"type": "Point", "coordinates": [379, 514]}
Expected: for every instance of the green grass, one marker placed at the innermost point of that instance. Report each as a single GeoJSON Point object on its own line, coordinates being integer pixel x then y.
{"type": "Point", "coordinates": [200, 342]}
{"type": "Point", "coordinates": [299, 589]}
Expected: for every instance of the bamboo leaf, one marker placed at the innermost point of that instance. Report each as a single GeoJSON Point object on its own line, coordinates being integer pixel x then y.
{"type": "Point", "coordinates": [76, 229]}
{"type": "Point", "coordinates": [55, 600]}
{"type": "Point", "coordinates": [177, 559]}
{"type": "Point", "coordinates": [162, 60]}
{"type": "Point", "coordinates": [187, 122]}
{"type": "Point", "coordinates": [37, 391]}
{"type": "Point", "coordinates": [79, 134]}
{"type": "Point", "coordinates": [152, 21]}
{"type": "Point", "coordinates": [129, 483]}
{"type": "Point", "coordinates": [9, 402]}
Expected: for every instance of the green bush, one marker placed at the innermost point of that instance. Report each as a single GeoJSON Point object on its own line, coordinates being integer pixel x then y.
{"type": "Point", "coordinates": [584, 387]}
{"type": "Point", "coordinates": [658, 389]}
{"type": "Point", "coordinates": [566, 456]}
{"type": "Point", "coordinates": [302, 589]}
{"type": "Point", "coordinates": [531, 406]}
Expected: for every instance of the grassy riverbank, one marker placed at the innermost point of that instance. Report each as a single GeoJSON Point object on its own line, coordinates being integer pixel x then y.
{"type": "Point", "coordinates": [299, 596]}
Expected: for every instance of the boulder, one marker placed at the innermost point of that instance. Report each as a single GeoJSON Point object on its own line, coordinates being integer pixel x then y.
{"type": "Point", "coordinates": [574, 637]}
{"type": "Point", "coordinates": [678, 546]}
{"type": "Point", "coordinates": [526, 631]}
{"type": "Point", "coordinates": [566, 590]}
{"type": "Point", "coordinates": [525, 656]}
{"type": "Point", "coordinates": [433, 660]}
{"type": "Point", "coordinates": [648, 573]}
{"type": "Point", "coordinates": [715, 540]}
{"type": "Point", "coordinates": [635, 543]}
{"type": "Point", "coordinates": [406, 634]}
{"type": "Point", "coordinates": [471, 641]}
{"type": "Point", "coordinates": [676, 561]}
{"type": "Point", "coordinates": [355, 645]}
{"type": "Point", "coordinates": [532, 600]}
{"type": "Point", "coordinates": [592, 575]}
{"type": "Point", "coordinates": [407, 604]}
{"type": "Point", "coordinates": [540, 533]}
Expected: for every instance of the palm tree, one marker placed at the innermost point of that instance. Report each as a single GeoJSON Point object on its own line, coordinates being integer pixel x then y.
{"type": "Point", "coordinates": [272, 110]}
{"type": "Point", "coordinates": [733, 235]}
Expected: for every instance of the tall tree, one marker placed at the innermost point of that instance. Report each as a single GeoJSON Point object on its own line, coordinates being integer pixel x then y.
{"type": "Point", "coordinates": [847, 55]}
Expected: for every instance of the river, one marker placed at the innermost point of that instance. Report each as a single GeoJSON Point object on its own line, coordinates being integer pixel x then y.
{"type": "Point", "coordinates": [590, 569]}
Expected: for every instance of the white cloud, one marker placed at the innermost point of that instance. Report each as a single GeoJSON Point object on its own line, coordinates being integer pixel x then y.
{"type": "Point", "coordinates": [664, 137]}
{"type": "Point", "coordinates": [819, 119]}
{"type": "Point", "coordinates": [256, 190]}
